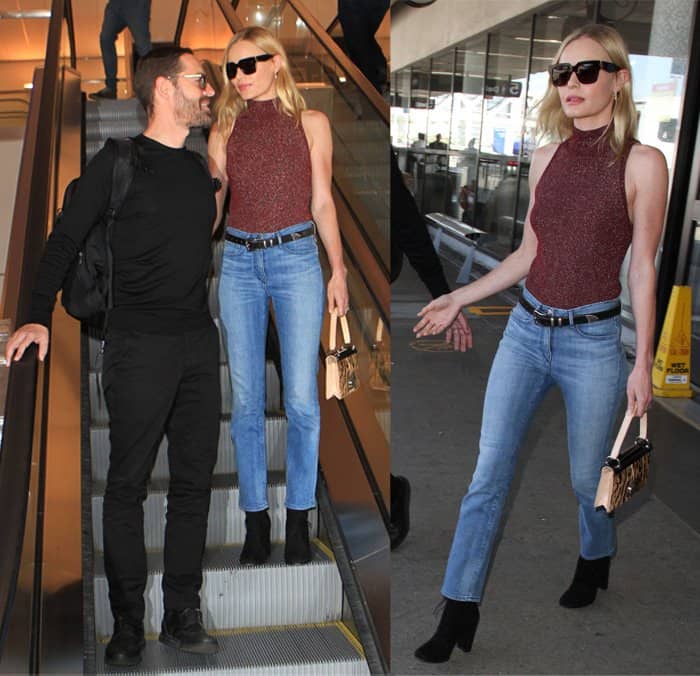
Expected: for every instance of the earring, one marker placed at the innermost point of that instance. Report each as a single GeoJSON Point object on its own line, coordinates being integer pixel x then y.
{"type": "Point", "coordinates": [275, 75]}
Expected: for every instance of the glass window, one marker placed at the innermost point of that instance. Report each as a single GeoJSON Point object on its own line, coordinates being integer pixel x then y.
{"type": "Point", "coordinates": [498, 177]}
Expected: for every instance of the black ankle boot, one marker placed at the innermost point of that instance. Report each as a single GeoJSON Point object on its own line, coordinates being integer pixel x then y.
{"type": "Point", "coordinates": [457, 627]}
{"type": "Point", "coordinates": [256, 548]}
{"type": "Point", "coordinates": [590, 576]}
{"type": "Point", "coordinates": [297, 548]}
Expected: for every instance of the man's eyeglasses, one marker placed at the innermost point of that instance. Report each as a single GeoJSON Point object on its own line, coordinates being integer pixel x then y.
{"type": "Point", "coordinates": [586, 71]}
{"type": "Point", "coordinates": [247, 65]}
{"type": "Point", "coordinates": [199, 78]}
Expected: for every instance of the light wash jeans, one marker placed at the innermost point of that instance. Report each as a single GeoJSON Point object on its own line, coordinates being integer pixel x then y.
{"type": "Point", "coordinates": [587, 363]}
{"type": "Point", "coordinates": [290, 275]}
{"type": "Point", "coordinates": [136, 14]}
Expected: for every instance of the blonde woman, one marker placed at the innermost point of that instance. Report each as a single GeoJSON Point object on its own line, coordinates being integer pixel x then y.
{"type": "Point", "coordinates": [595, 192]}
{"type": "Point", "coordinates": [275, 158]}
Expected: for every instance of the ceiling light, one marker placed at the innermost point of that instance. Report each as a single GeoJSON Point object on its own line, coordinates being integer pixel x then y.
{"type": "Point", "coordinates": [28, 85]}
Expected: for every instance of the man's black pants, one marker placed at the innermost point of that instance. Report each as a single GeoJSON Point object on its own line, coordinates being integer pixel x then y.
{"type": "Point", "coordinates": [155, 384]}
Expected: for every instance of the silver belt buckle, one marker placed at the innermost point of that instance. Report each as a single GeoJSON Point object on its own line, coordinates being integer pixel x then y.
{"type": "Point", "coordinates": [544, 318]}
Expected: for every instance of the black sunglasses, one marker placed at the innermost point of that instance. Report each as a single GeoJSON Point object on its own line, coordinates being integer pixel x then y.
{"type": "Point", "coordinates": [247, 65]}
{"type": "Point", "coordinates": [586, 71]}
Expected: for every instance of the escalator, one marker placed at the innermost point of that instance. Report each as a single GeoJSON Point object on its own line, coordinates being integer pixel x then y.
{"type": "Point", "coordinates": [327, 617]}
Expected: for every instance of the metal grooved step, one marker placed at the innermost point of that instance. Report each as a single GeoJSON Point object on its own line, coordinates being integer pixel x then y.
{"type": "Point", "coordinates": [226, 520]}
{"type": "Point", "coordinates": [275, 438]}
{"type": "Point", "coordinates": [235, 596]}
{"type": "Point", "coordinates": [321, 650]}
{"type": "Point", "coordinates": [273, 403]}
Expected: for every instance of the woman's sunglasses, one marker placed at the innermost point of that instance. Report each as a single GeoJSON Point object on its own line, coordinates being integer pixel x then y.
{"type": "Point", "coordinates": [247, 65]}
{"type": "Point", "coordinates": [586, 71]}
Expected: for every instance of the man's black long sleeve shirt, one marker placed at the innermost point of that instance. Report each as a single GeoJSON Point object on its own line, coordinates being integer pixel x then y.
{"type": "Point", "coordinates": [161, 241]}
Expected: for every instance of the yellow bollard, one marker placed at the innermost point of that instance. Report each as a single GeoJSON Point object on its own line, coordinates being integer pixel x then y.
{"type": "Point", "coordinates": [671, 372]}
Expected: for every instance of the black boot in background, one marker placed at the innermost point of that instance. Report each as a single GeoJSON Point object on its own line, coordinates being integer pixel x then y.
{"type": "Point", "coordinates": [256, 548]}
{"type": "Point", "coordinates": [590, 576]}
{"type": "Point", "coordinates": [457, 627]}
{"type": "Point", "coordinates": [400, 510]}
{"type": "Point", "coordinates": [297, 548]}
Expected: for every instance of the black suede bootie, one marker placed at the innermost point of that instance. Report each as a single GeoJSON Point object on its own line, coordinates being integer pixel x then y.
{"type": "Point", "coordinates": [590, 576]}
{"type": "Point", "coordinates": [297, 548]}
{"type": "Point", "coordinates": [256, 548]}
{"type": "Point", "coordinates": [457, 627]}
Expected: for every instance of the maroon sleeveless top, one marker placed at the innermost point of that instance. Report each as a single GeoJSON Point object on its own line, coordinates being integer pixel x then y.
{"type": "Point", "coordinates": [269, 170]}
{"type": "Point", "coordinates": [581, 221]}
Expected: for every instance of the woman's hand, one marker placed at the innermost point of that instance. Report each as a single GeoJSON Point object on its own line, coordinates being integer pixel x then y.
{"type": "Point", "coordinates": [437, 316]}
{"type": "Point", "coordinates": [639, 395]}
{"type": "Point", "coordinates": [459, 334]}
{"type": "Point", "coordinates": [338, 299]}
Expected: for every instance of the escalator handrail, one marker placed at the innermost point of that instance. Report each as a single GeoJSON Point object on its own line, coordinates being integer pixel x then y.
{"type": "Point", "coordinates": [227, 9]}
{"type": "Point", "coordinates": [68, 9]}
{"type": "Point", "coordinates": [182, 16]}
{"type": "Point", "coordinates": [27, 236]}
{"type": "Point", "coordinates": [342, 59]}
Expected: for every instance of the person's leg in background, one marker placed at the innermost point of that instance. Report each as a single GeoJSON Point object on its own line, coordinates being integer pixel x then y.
{"type": "Point", "coordinates": [113, 23]}
{"type": "Point", "coordinates": [138, 18]}
{"type": "Point", "coordinates": [360, 20]}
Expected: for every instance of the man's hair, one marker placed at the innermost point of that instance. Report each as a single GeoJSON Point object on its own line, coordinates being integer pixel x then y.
{"type": "Point", "coordinates": [159, 62]}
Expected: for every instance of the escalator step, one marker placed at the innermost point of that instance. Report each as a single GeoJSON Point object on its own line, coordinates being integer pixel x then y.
{"type": "Point", "coordinates": [273, 403]}
{"type": "Point", "coordinates": [320, 650]}
{"type": "Point", "coordinates": [226, 520]}
{"type": "Point", "coordinates": [275, 437]}
{"type": "Point", "coordinates": [235, 596]}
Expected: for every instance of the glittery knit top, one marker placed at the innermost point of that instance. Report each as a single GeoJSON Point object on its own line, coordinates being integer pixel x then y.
{"type": "Point", "coordinates": [269, 170]}
{"type": "Point", "coordinates": [582, 225]}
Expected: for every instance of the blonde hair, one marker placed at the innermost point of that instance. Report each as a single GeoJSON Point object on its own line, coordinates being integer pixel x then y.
{"type": "Point", "coordinates": [551, 120]}
{"type": "Point", "coordinates": [231, 104]}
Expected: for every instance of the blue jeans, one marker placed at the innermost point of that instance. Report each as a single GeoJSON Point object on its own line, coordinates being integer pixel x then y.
{"type": "Point", "coordinates": [587, 363]}
{"type": "Point", "coordinates": [290, 276]}
{"type": "Point", "coordinates": [119, 14]}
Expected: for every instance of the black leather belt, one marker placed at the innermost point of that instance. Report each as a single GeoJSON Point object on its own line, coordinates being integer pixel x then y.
{"type": "Point", "coordinates": [548, 319]}
{"type": "Point", "coordinates": [267, 242]}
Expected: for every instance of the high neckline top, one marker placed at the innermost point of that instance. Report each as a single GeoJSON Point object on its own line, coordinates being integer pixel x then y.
{"type": "Point", "coordinates": [581, 220]}
{"type": "Point", "coordinates": [269, 170]}
{"type": "Point", "coordinates": [587, 138]}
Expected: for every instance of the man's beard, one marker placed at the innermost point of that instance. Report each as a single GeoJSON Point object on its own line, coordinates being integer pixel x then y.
{"type": "Point", "coordinates": [191, 113]}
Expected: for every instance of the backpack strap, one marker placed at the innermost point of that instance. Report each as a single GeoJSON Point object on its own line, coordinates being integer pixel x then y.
{"type": "Point", "coordinates": [126, 159]}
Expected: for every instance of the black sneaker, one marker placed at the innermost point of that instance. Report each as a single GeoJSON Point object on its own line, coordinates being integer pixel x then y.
{"type": "Point", "coordinates": [126, 644]}
{"type": "Point", "coordinates": [104, 93]}
{"type": "Point", "coordinates": [183, 629]}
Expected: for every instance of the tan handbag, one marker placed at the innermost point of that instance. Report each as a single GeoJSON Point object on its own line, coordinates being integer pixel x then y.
{"type": "Point", "coordinates": [623, 474]}
{"type": "Point", "coordinates": [379, 362]}
{"type": "Point", "coordinates": [342, 366]}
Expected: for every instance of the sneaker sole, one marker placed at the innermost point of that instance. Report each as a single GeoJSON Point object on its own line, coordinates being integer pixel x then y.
{"type": "Point", "coordinates": [199, 649]}
{"type": "Point", "coordinates": [125, 661]}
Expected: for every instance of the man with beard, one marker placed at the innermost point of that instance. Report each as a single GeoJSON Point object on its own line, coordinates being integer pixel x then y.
{"type": "Point", "coordinates": [160, 367]}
